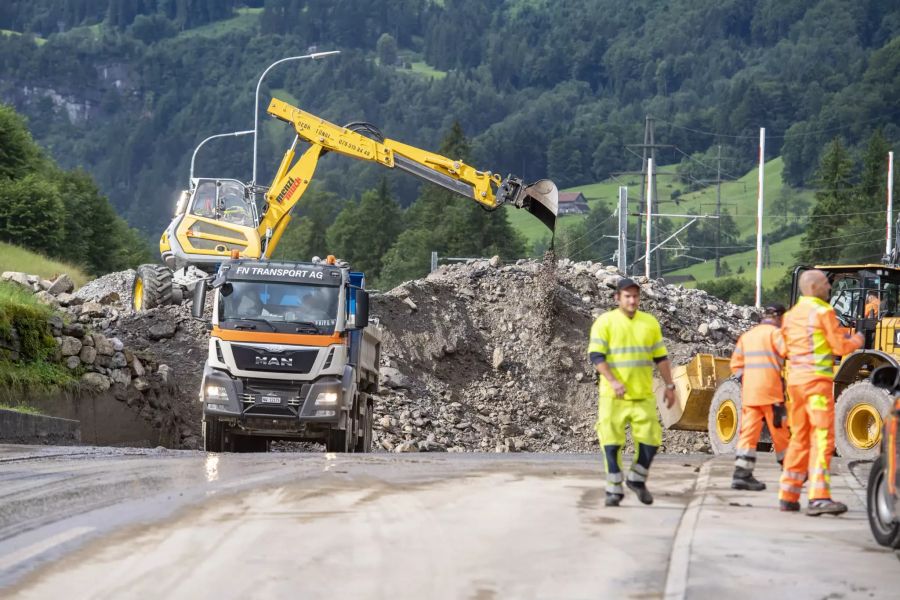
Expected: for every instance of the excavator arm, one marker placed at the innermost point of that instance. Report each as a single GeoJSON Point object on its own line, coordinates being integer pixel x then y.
{"type": "Point", "coordinates": [292, 178]}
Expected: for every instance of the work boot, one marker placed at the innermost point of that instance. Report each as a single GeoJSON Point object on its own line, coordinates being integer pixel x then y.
{"type": "Point", "coordinates": [613, 499]}
{"type": "Point", "coordinates": [825, 506]}
{"type": "Point", "coordinates": [743, 479]}
{"type": "Point", "coordinates": [788, 506]}
{"type": "Point", "coordinates": [640, 488]}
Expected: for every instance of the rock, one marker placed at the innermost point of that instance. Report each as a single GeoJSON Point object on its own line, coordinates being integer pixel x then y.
{"type": "Point", "coordinates": [88, 339]}
{"type": "Point", "coordinates": [162, 331]}
{"type": "Point", "coordinates": [88, 355]}
{"type": "Point", "coordinates": [44, 284]}
{"type": "Point", "coordinates": [75, 330]}
{"type": "Point", "coordinates": [410, 303]}
{"type": "Point", "coordinates": [93, 310]}
{"type": "Point", "coordinates": [103, 345]}
{"type": "Point", "coordinates": [141, 384]}
{"type": "Point", "coordinates": [17, 277]}
{"type": "Point", "coordinates": [406, 447]}
{"type": "Point", "coordinates": [498, 358]}
{"type": "Point", "coordinates": [495, 261]}
{"type": "Point", "coordinates": [119, 361]}
{"type": "Point", "coordinates": [47, 298]}
{"type": "Point", "coordinates": [65, 299]}
{"type": "Point", "coordinates": [137, 367]}
{"type": "Point", "coordinates": [109, 298]}
{"type": "Point", "coordinates": [165, 374]}
{"type": "Point", "coordinates": [703, 329]}
{"type": "Point", "coordinates": [95, 382]}
{"type": "Point", "coordinates": [118, 346]}
{"type": "Point", "coordinates": [62, 285]}
{"type": "Point", "coordinates": [120, 376]}
{"type": "Point", "coordinates": [72, 362]}
{"type": "Point", "coordinates": [716, 325]}
{"type": "Point", "coordinates": [69, 346]}
{"type": "Point", "coordinates": [57, 325]}
{"type": "Point", "coordinates": [393, 378]}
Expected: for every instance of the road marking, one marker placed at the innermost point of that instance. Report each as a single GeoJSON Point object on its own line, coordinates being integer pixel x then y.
{"type": "Point", "coordinates": [29, 552]}
{"type": "Point", "coordinates": [680, 558]}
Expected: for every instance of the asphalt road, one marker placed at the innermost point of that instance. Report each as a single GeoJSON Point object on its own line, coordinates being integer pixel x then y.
{"type": "Point", "coordinates": [103, 523]}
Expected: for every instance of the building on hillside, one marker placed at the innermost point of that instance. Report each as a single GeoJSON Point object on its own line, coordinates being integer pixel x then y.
{"type": "Point", "coordinates": [573, 203]}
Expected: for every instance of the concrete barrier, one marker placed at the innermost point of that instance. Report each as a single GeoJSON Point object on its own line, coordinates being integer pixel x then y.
{"type": "Point", "coordinates": [24, 428]}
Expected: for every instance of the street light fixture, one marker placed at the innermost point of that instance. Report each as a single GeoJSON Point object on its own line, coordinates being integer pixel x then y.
{"type": "Point", "coordinates": [212, 137]}
{"type": "Point", "coordinates": [313, 56]}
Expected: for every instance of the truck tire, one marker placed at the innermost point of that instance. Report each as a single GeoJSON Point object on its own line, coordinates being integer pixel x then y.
{"type": "Point", "coordinates": [858, 420]}
{"type": "Point", "coordinates": [213, 436]}
{"type": "Point", "coordinates": [367, 415]}
{"type": "Point", "coordinates": [725, 417]}
{"type": "Point", "coordinates": [342, 440]}
{"type": "Point", "coordinates": [152, 287]}
{"type": "Point", "coordinates": [885, 530]}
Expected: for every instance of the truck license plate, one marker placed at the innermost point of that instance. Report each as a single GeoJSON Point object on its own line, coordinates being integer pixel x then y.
{"type": "Point", "coordinates": [267, 399]}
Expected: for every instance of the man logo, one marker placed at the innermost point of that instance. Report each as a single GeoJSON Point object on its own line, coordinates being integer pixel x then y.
{"type": "Point", "coordinates": [274, 361]}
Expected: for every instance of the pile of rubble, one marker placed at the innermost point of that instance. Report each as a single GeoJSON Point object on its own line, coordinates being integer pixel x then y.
{"type": "Point", "coordinates": [90, 344]}
{"type": "Point", "coordinates": [485, 357]}
{"type": "Point", "coordinates": [476, 357]}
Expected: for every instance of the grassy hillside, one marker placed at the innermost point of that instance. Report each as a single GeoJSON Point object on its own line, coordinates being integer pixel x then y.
{"type": "Point", "coordinates": [781, 255]}
{"type": "Point", "coordinates": [13, 258]}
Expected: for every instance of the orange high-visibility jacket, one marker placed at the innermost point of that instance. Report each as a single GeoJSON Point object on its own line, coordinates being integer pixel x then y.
{"type": "Point", "coordinates": [813, 337]}
{"type": "Point", "coordinates": [758, 359]}
{"type": "Point", "coordinates": [872, 308]}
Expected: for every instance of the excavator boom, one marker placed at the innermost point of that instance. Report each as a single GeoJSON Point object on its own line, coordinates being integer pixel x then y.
{"type": "Point", "coordinates": [485, 187]}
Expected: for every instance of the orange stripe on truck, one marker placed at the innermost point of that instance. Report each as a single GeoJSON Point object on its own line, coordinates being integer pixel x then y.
{"type": "Point", "coordinates": [263, 337]}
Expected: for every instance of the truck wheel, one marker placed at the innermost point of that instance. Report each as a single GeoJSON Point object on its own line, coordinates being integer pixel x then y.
{"type": "Point", "coordinates": [885, 529]}
{"type": "Point", "coordinates": [152, 287]}
{"type": "Point", "coordinates": [725, 417]}
{"type": "Point", "coordinates": [213, 436]}
{"type": "Point", "coordinates": [364, 439]}
{"type": "Point", "coordinates": [858, 420]}
{"type": "Point", "coordinates": [342, 440]}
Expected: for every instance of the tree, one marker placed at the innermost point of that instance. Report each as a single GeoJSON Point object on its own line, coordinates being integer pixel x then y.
{"type": "Point", "coordinates": [821, 242]}
{"type": "Point", "coordinates": [363, 233]}
{"type": "Point", "coordinates": [31, 214]}
{"type": "Point", "coordinates": [305, 236]}
{"type": "Point", "coordinates": [387, 50]}
{"type": "Point", "coordinates": [19, 155]}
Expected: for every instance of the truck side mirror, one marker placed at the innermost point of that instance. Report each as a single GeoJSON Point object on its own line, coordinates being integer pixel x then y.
{"type": "Point", "coordinates": [362, 308]}
{"type": "Point", "coordinates": [199, 300]}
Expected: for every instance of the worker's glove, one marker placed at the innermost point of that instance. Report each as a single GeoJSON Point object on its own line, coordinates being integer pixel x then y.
{"type": "Point", "coordinates": [779, 413]}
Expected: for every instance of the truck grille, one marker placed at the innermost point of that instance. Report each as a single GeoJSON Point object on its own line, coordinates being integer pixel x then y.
{"type": "Point", "coordinates": [248, 358]}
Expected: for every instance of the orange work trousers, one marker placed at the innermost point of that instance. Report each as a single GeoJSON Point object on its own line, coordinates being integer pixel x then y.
{"type": "Point", "coordinates": [752, 418]}
{"type": "Point", "coordinates": [811, 417]}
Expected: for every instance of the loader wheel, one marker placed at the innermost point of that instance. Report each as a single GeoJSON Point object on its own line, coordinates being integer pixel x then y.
{"type": "Point", "coordinates": [858, 419]}
{"type": "Point", "coordinates": [152, 287]}
{"type": "Point", "coordinates": [885, 529]}
{"type": "Point", "coordinates": [213, 436]}
{"type": "Point", "coordinates": [725, 417]}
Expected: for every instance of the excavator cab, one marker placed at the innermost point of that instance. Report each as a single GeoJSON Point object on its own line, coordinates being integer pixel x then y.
{"type": "Point", "coordinates": [213, 219]}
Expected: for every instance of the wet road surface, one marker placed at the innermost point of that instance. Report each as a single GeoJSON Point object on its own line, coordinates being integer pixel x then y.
{"type": "Point", "coordinates": [112, 523]}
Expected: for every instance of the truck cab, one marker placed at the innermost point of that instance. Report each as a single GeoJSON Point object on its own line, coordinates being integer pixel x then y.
{"type": "Point", "coordinates": [291, 356]}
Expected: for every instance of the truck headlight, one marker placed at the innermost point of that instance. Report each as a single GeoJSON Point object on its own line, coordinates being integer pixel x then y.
{"type": "Point", "coordinates": [327, 398]}
{"type": "Point", "coordinates": [216, 393]}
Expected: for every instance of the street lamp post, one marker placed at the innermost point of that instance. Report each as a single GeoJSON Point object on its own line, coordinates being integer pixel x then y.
{"type": "Point", "coordinates": [313, 56]}
{"type": "Point", "coordinates": [212, 137]}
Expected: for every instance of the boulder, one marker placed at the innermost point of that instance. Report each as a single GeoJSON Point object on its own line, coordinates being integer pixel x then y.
{"type": "Point", "coordinates": [88, 354]}
{"type": "Point", "coordinates": [103, 345]}
{"type": "Point", "coordinates": [95, 382]}
{"type": "Point", "coordinates": [69, 346]}
{"type": "Point", "coordinates": [162, 331]}
{"type": "Point", "coordinates": [62, 285]}
{"type": "Point", "coordinates": [17, 277]}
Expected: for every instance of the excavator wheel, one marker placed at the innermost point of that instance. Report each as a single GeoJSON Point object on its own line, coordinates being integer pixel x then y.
{"type": "Point", "coordinates": [858, 420]}
{"type": "Point", "coordinates": [725, 417]}
{"type": "Point", "coordinates": [152, 287]}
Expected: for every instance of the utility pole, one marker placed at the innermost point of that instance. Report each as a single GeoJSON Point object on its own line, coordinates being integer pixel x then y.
{"type": "Point", "coordinates": [637, 226]}
{"type": "Point", "coordinates": [718, 208]}
{"type": "Point", "coordinates": [651, 146]}
{"type": "Point", "coordinates": [623, 229]}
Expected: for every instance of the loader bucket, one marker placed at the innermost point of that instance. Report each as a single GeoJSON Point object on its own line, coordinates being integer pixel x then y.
{"type": "Point", "coordinates": [695, 384]}
{"type": "Point", "coordinates": [541, 199]}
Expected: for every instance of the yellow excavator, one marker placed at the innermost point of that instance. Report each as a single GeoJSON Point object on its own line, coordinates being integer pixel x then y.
{"type": "Point", "coordinates": [217, 219]}
{"type": "Point", "coordinates": [709, 399]}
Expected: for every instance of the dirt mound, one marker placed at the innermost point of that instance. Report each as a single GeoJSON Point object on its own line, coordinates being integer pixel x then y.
{"type": "Point", "coordinates": [488, 357]}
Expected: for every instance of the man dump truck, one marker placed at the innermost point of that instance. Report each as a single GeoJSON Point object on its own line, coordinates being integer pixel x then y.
{"type": "Point", "coordinates": [708, 399]}
{"type": "Point", "coordinates": [291, 356]}
{"type": "Point", "coordinates": [883, 490]}
{"type": "Point", "coordinates": [217, 217]}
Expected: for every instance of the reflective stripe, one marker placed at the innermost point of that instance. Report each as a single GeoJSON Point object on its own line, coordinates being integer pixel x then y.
{"type": "Point", "coordinates": [818, 402]}
{"type": "Point", "coordinates": [762, 353]}
{"type": "Point", "coordinates": [615, 488]}
{"type": "Point", "coordinates": [630, 363]}
{"type": "Point", "coordinates": [615, 477]}
{"type": "Point", "coordinates": [632, 350]}
{"type": "Point", "coordinates": [635, 476]}
{"type": "Point", "coordinates": [746, 453]}
{"type": "Point", "coordinates": [598, 345]}
{"type": "Point", "coordinates": [768, 366]}
{"type": "Point", "coordinates": [792, 489]}
{"type": "Point", "coordinates": [639, 468]}
{"type": "Point", "coordinates": [660, 345]}
{"type": "Point", "coordinates": [820, 485]}
{"type": "Point", "coordinates": [815, 472]}
{"type": "Point", "coordinates": [745, 463]}
{"type": "Point", "coordinates": [795, 475]}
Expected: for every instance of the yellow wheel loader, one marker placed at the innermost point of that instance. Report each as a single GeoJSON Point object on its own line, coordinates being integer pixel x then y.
{"type": "Point", "coordinates": [217, 219]}
{"type": "Point", "coordinates": [709, 399]}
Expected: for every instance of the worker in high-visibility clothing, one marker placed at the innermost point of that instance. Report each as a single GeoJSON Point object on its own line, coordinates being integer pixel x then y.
{"type": "Point", "coordinates": [873, 305]}
{"type": "Point", "coordinates": [758, 360]}
{"type": "Point", "coordinates": [813, 336]}
{"type": "Point", "coordinates": [625, 344]}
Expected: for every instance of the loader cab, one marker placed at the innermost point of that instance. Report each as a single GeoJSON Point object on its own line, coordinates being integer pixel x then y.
{"type": "Point", "coordinates": [225, 200]}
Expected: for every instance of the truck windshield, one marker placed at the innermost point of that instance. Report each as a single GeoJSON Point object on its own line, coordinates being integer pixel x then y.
{"type": "Point", "coordinates": [284, 307]}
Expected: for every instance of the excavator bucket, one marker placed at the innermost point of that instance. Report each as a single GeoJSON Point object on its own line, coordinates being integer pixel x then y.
{"type": "Point", "coordinates": [695, 385]}
{"type": "Point", "coordinates": [541, 199]}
